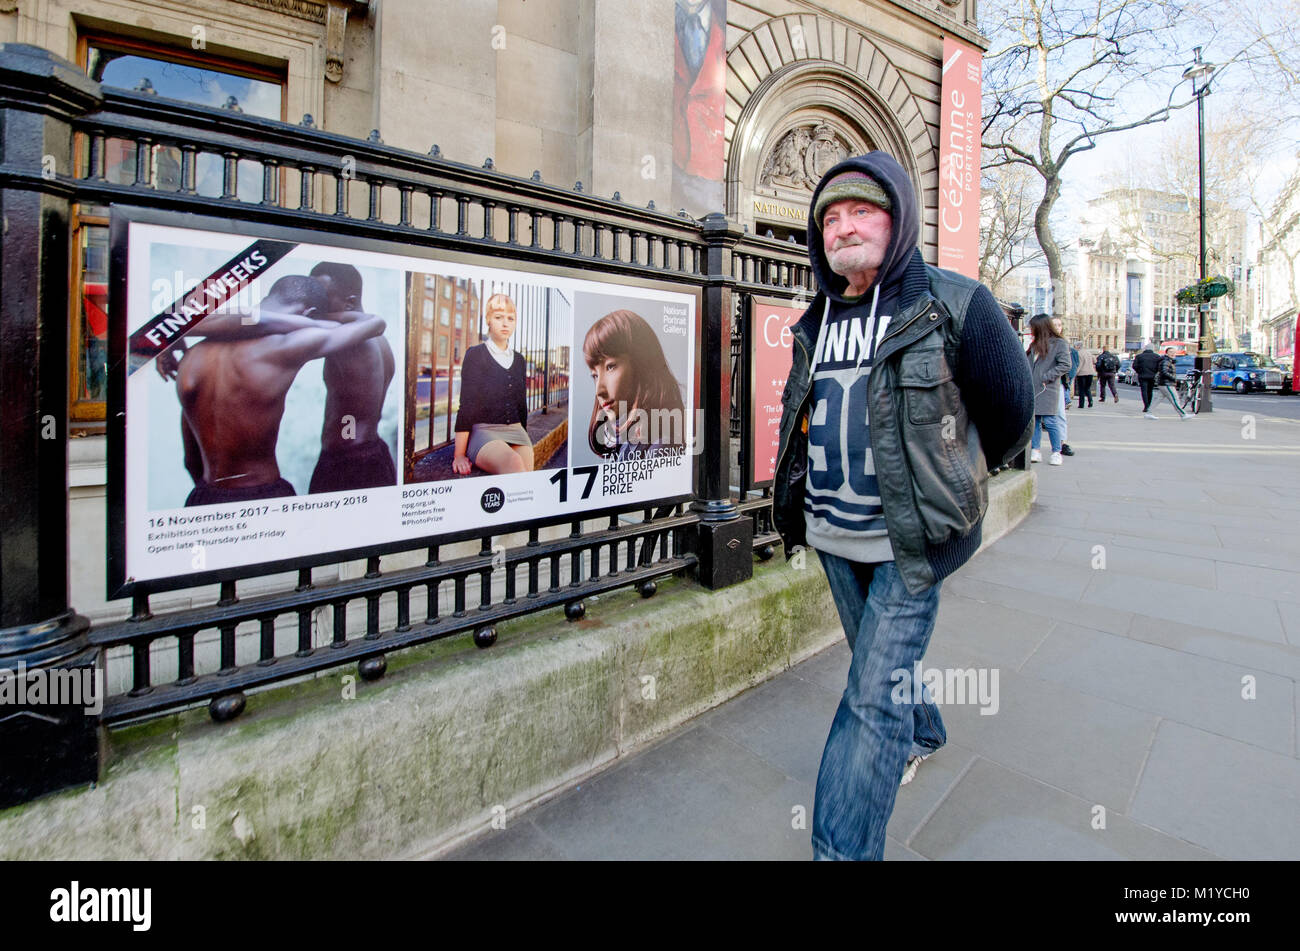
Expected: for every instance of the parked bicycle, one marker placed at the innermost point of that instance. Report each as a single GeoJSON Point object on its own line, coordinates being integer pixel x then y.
{"type": "Point", "coordinates": [1189, 391]}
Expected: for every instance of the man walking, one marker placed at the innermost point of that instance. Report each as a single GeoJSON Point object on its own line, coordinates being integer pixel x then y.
{"type": "Point", "coordinates": [1166, 380]}
{"type": "Point", "coordinates": [1107, 367]}
{"type": "Point", "coordinates": [907, 384]}
{"type": "Point", "coordinates": [1146, 365]}
{"type": "Point", "coordinates": [1083, 378]}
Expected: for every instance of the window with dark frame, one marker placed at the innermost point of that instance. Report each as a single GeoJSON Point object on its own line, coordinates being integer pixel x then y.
{"type": "Point", "coordinates": [175, 73]}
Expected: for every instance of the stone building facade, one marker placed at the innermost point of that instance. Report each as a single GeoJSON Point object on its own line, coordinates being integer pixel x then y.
{"type": "Point", "coordinates": [580, 90]}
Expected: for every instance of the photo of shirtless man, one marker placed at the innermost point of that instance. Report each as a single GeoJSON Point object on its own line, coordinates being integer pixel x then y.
{"type": "Point", "coordinates": [232, 387]}
{"type": "Point", "coordinates": [352, 454]}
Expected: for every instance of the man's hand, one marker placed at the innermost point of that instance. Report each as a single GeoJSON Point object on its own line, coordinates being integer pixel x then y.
{"type": "Point", "coordinates": [461, 465]}
{"type": "Point", "coordinates": [168, 363]}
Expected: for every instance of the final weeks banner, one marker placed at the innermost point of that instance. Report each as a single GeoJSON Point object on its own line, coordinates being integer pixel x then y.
{"type": "Point", "coordinates": [277, 397]}
{"type": "Point", "coordinates": [959, 158]}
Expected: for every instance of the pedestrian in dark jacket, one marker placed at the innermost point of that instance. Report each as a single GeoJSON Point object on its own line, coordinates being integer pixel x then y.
{"type": "Point", "coordinates": [1107, 368]}
{"type": "Point", "coordinates": [906, 385]}
{"type": "Point", "coordinates": [1166, 380]}
{"type": "Point", "coordinates": [1146, 365]}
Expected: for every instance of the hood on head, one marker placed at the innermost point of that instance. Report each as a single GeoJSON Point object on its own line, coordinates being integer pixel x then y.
{"type": "Point", "coordinates": [907, 225]}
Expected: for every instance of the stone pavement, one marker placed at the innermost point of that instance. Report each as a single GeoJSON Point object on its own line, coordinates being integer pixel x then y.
{"type": "Point", "coordinates": [1144, 623]}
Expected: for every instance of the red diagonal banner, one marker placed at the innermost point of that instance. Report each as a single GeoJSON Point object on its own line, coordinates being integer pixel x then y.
{"type": "Point", "coordinates": [164, 331]}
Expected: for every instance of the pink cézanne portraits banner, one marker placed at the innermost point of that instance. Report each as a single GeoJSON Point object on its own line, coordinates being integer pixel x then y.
{"type": "Point", "coordinates": [959, 158]}
{"type": "Point", "coordinates": [772, 342]}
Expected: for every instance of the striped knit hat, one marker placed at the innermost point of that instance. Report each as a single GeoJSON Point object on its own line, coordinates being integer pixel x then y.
{"type": "Point", "coordinates": [854, 185]}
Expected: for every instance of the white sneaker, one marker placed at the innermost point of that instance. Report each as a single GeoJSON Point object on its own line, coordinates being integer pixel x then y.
{"type": "Point", "coordinates": [1035, 456]}
{"type": "Point", "coordinates": [913, 762]}
{"type": "Point", "coordinates": [1150, 415]}
{"type": "Point", "coordinates": [1056, 459]}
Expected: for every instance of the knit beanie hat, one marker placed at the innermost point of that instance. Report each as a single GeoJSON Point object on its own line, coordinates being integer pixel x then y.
{"type": "Point", "coordinates": [854, 185]}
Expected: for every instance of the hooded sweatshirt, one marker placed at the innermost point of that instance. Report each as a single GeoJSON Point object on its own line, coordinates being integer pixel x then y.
{"type": "Point", "coordinates": [842, 510]}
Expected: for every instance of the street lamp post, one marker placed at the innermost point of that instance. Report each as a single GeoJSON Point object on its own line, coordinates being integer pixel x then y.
{"type": "Point", "coordinates": [1199, 73]}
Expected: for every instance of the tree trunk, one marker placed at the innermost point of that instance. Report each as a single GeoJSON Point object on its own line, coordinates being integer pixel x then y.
{"type": "Point", "coordinates": [1043, 230]}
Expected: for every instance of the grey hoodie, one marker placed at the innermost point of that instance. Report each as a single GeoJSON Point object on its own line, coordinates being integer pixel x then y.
{"type": "Point", "coordinates": [885, 169]}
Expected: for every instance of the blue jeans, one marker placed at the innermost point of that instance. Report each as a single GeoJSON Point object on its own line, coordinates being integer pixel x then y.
{"type": "Point", "coordinates": [1053, 426]}
{"type": "Point", "coordinates": [873, 734]}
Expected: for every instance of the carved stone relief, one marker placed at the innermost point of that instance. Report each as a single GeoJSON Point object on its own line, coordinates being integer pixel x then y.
{"type": "Point", "coordinates": [802, 156]}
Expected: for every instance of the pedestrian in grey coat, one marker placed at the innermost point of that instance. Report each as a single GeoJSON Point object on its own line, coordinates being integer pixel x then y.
{"type": "Point", "coordinates": [1049, 363]}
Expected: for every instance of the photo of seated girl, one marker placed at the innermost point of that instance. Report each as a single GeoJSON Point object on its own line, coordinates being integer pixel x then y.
{"type": "Point", "coordinates": [638, 405]}
{"type": "Point", "coordinates": [493, 409]}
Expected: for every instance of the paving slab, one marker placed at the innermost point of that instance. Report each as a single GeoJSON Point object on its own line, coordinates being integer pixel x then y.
{"type": "Point", "coordinates": [1194, 690]}
{"type": "Point", "coordinates": [773, 722]}
{"type": "Point", "coordinates": [828, 670]}
{"type": "Point", "coordinates": [934, 780]}
{"type": "Point", "coordinates": [1290, 615]}
{"type": "Point", "coordinates": [997, 813]}
{"type": "Point", "coordinates": [665, 803]}
{"type": "Point", "coordinates": [1099, 617]}
{"type": "Point", "coordinates": [1240, 802]}
{"type": "Point", "coordinates": [1250, 652]}
{"type": "Point", "coordinates": [1224, 611]}
{"type": "Point", "coordinates": [1030, 574]}
{"type": "Point", "coordinates": [1026, 733]}
{"type": "Point", "coordinates": [1124, 555]}
{"type": "Point", "coordinates": [518, 842]}
{"type": "Point", "coordinates": [1251, 582]}
{"type": "Point", "coordinates": [982, 632]}
{"type": "Point", "coordinates": [1211, 550]}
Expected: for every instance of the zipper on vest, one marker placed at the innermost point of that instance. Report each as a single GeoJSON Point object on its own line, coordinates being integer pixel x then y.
{"type": "Point", "coordinates": [898, 330]}
{"type": "Point", "coordinates": [791, 439]}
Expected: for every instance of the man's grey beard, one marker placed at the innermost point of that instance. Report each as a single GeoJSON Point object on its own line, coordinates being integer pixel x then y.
{"type": "Point", "coordinates": [843, 264]}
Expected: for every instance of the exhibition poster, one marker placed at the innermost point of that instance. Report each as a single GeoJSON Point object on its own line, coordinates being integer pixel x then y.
{"type": "Point", "coordinates": [284, 399]}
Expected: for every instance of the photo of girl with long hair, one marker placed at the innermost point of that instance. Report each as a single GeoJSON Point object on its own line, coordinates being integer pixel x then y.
{"type": "Point", "coordinates": [638, 402]}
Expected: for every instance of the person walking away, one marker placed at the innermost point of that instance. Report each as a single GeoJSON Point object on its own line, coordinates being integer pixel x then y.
{"type": "Point", "coordinates": [906, 385]}
{"type": "Point", "coordinates": [1049, 362]}
{"type": "Point", "coordinates": [1166, 380]}
{"type": "Point", "coordinates": [1146, 365]}
{"type": "Point", "coordinates": [1107, 369]}
{"type": "Point", "coordinates": [1087, 370]}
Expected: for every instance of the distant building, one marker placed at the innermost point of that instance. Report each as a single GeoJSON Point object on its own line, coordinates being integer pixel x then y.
{"type": "Point", "coordinates": [1279, 274]}
{"type": "Point", "coordinates": [1137, 248]}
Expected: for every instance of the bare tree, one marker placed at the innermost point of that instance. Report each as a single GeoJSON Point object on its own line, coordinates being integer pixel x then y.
{"type": "Point", "coordinates": [1062, 73]}
{"type": "Point", "coordinates": [1007, 239]}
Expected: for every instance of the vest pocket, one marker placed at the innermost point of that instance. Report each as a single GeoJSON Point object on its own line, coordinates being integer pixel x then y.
{"type": "Point", "coordinates": [929, 393]}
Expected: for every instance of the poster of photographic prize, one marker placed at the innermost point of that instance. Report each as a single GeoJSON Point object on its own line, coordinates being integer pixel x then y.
{"type": "Point", "coordinates": [291, 399]}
